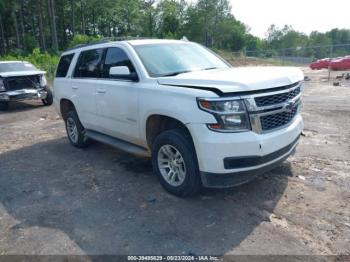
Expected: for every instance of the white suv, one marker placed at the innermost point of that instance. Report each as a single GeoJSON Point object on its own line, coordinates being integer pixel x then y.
{"type": "Point", "coordinates": [203, 122]}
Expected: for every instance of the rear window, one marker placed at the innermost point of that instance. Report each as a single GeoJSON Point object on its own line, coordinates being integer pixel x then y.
{"type": "Point", "coordinates": [16, 66]}
{"type": "Point", "coordinates": [63, 65]}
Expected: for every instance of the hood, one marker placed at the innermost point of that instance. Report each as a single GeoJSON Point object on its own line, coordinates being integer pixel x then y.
{"type": "Point", "coordinates": [237, 79]}
{"type": "Point", "coordinates": [21, 73]}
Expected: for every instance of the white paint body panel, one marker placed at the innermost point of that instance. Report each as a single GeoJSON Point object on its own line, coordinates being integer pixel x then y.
{"type": "Point", "coordinates": [117, 109]}
{"type": "Point", "coordinates": [22, 73]}
{"type": "Point", "coordinates": [213, 147]}
{"type": "Point", "coordinates": [122, 108]}
{"type": "Point", "coordinates": [238, 79]}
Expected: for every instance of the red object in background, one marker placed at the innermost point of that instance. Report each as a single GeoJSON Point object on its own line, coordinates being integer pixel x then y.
{"type": "Point", "coordinates": [320, 64]}
{"type": "Point", "coordinates": [342, 63]}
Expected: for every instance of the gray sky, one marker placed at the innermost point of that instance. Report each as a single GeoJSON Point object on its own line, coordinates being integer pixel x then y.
{"type": "Point", "coordinates": [303, 15]}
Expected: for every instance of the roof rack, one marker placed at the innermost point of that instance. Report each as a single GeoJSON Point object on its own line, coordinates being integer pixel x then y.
{"type": "Point", "coordinates": [126, 38]}
{"type": "Point", "coordinates": [103, 41]}
{"type": "Point", "coordinates": [108, 40]}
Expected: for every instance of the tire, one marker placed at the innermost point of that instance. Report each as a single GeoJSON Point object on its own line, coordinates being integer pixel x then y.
{"type": "Point", "coordinates": [4, 106]}
{"type": "Point", "coordinates": [180, 177]}
{"type": "Point", "coordinates": [76, 137]}
{"type": "Point", "coordinates": [49, 98]}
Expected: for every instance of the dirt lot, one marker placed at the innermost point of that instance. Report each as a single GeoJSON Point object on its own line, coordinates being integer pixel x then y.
{"type": "Point", "coordinates": [56, 199]}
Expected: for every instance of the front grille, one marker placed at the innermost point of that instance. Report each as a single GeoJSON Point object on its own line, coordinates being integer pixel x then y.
{"type": "Point", "coordinates": [277, 98]}
{"type": "Point", "coordinates": [22, 82]}
{"type": "Point", "coordinates": [273, 121]}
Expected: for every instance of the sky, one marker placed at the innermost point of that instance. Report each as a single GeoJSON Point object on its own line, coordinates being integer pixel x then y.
{"type": "Point", "coordinates": [303, 15]}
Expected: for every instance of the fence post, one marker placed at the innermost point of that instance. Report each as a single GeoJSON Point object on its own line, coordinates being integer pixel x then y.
{"type": "Point", "coordinates": [330, 60]}
{"type": "Point", "coordinates": [245, 55]}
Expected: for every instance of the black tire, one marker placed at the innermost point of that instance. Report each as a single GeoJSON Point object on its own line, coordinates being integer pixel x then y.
{"type": "Point", "coordinates": [80, 140]}
{"type": "Point", "coordinates": [49, 98]}
{"type": "Point", "coordinates": [4, 106]}
{"type": "Point", "coordinates": [179, 140]}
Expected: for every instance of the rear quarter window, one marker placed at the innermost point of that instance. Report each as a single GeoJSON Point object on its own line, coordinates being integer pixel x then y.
{"type": "Point", "coordinates": [63, 65]}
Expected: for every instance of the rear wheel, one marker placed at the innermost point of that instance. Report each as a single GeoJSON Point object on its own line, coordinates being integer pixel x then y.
{"type": "Point", "coordinates": [4, 106]}
{"type": "Point", "coordinates": [75, 130]}
{"type": "Point", "coordinates": [49, 97]}
{"type": "Point", "coordinates": [175, 163]}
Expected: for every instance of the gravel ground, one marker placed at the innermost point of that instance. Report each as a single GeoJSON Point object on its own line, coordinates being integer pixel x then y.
{"type": "Point", "coordinates": [56, 199]}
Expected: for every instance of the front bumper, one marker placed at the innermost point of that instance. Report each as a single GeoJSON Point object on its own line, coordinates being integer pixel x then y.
{"type": "Point", "coordinates": [23, 94]}
{"type": "Point", "coordinates": [229, 159]}
{"type": "Point", "coordinates": [237, 178]}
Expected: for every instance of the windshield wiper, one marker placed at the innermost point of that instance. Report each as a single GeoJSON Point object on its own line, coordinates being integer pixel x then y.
{"type": "Point", "coordinates": [186, 71]}
{"type": "Point", "coordinates": [176, 73]}
{"type": "Point", "coordinates": [210, 68]}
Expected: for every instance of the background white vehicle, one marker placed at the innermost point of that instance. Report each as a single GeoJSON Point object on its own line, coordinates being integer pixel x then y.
{"type": "Point", "coordinates": [20, 80]}
{"type": "Point", "coordinates": [203, 122]}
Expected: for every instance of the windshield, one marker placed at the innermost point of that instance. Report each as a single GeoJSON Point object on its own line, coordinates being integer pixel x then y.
{"type": "Point", "coordinates": [176, 58]}
{"type": "Point", "coordinates": [16, 66]}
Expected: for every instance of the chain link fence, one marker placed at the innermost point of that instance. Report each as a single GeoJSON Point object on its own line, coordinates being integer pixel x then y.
{"type": "Point", "coordinates": [297, 56]}
{"type": "Point", "coordinates": [294, 56]}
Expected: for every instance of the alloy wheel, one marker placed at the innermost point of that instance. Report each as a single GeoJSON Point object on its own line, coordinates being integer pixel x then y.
{"type": "Point", "coordinates": [171, 165]}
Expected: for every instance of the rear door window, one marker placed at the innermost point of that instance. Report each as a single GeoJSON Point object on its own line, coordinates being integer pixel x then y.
{"type": "Point", "coordinates": [116, 57]}
{"type": "Point", "coordinates": [89, 64]}
{"type": "Point", "coordinates": [63, 65]}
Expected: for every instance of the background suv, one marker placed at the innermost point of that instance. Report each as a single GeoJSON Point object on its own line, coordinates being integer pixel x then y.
{"type": "Point", "coordinates": [19, 81]}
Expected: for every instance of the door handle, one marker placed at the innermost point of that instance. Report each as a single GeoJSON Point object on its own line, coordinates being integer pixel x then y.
{"type": "Point", "coordinates": [74, 87]}
{"type": "Point", "coordinates": [101, 91]}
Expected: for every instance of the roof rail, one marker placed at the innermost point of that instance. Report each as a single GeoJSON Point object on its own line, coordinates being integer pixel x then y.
{"type": "Point", "coordinates": [102, 41]}
{"type": "Point", "coordinates": [107, 40]}
{"type": "Point", "coordinates": [126, 38]}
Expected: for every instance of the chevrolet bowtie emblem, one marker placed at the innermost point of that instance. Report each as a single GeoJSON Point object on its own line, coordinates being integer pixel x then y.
{"type": "Point", "coordinates": [289, 105]}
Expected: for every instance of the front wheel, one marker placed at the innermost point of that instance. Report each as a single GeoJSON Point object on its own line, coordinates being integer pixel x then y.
{"type": "Point", "coordinates": [175, 163]}
{"type": "Point", "coordinates": [49, 98]}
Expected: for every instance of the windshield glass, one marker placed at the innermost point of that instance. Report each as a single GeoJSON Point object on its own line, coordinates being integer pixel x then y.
{"type": "Point", "coordinates": [16, 66]}
{"type": "Point", "coordinates": [176, 58]}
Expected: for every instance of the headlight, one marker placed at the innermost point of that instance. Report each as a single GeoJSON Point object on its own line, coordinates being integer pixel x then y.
{"type": "Point", "coordinates": [231, 115]}
{"type": "Point", "coordinates": [43, 81]}
{"type": "Point", "coordinates": [2, 86]}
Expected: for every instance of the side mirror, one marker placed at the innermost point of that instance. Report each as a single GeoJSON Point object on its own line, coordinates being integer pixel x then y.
{"type": "Point", "coordinates": [122, 72]}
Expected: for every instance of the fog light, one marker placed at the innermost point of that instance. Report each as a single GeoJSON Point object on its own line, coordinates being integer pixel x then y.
{"type": "Point", "coordinates": [42, 94]}
{"type": "Point", "coordinates": [4, 97]}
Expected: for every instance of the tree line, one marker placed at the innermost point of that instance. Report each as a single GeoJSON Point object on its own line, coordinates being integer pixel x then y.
{"type": "Point", "coordinates": [54, 25]}
{"type": "Point", "coordinates": [288, 42]}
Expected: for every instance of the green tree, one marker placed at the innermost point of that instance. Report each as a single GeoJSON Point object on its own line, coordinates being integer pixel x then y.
{"type": "Point", "coordinates": [170, 18]}
{"type": "Point", "coordinates": [53, 25]}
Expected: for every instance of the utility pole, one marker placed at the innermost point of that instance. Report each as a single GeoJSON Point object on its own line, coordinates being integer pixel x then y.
{"type": "Point", "coordinates": [53, 24]}
{"type": "Point", "coordinates": [82, 10]}
{"type": "Point", "coordinates": [2, 38]}
{"type": "Point", "coordinates": [72, 17]}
